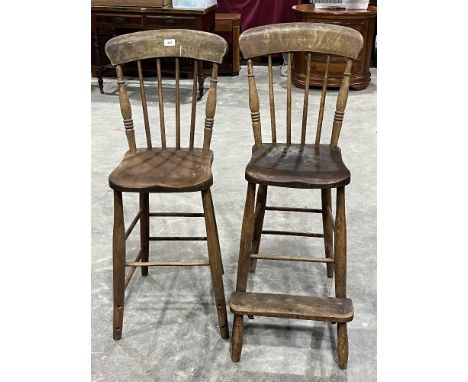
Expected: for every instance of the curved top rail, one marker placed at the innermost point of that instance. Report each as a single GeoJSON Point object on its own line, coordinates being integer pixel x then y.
{"type": "Point", "coordinates": [166, 43]}
{"type": "Point", "coordinates": [301, 37]}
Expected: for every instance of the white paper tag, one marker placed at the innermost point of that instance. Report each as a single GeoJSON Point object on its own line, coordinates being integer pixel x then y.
{"type": "Point", "coordinates": [169, 42]}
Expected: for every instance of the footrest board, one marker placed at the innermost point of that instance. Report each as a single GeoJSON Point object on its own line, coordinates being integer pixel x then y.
{"type": "Point", "coordinates": [288, 306]}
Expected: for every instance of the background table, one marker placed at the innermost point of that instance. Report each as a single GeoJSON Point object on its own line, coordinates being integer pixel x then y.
{"type": "Point", "coordinates": [361, 20]}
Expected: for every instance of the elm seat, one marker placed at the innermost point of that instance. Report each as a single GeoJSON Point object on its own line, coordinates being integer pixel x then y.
{"type": "Point", "coordinates": [298, 166]}
{"type": "Point", "coordinates": [163, 170]}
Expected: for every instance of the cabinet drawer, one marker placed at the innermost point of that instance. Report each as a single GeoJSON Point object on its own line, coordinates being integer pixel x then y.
{"type": "Point", "coordinates": [118, 19]}
{"type": "Point", "coordinates": [170, 22]}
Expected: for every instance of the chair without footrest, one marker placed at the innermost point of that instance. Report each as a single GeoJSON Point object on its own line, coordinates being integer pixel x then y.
{"type": "Point", "coordinates": [309, 166]}
{"type": "Point", "coordinates": [164, 169]}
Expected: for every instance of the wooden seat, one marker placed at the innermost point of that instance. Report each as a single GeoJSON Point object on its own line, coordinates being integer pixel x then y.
{"type": "Point", "coordinates": [297, 166]}
{"type": "Point", "coordinates": [146, 170]}
{"type": "Point", "coordinates": [157, 170]}
{"type": "Point", "coordinates": [288, 306]}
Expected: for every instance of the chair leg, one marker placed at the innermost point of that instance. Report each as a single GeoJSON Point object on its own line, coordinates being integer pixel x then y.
{"type": "Point", "coordinates": [144, 230]}
{"type": "Point", "coordinates": [237, 337]}
{"type": "Point", "coordinates": [246, 239]}
{"type": "Point", "coordinates": [217, 236]}
{"type": "Point", "coordinates": [215, 263]}
{"type": "Point", "coordinates": [258, 223]}
{"type": "Point", "coordinates": [340, 272]}
{"type": "Point", "coordinates": [327, 227]}
{"type": "Point", "coordinates": [118, 260]}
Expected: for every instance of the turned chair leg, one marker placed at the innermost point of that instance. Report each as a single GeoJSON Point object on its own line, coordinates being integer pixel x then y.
{"type": "Point", "coordinates": [217, 235]}
{"type": "Point", "coordinates": [144, 230]}
{"type": "Point", "coordinates": [118, 260]}
{"type": "Point", "coordinates": [246, 239]}
{"type": "Point", "coordinates": [258, 223]}
{"type": "Point", "coordinates": [340, 272]}
{"type": "Point", "coordinates": [215, 263]}
{"type": "Point", "coordinates": [237, 338]}
{"type": "Point", "coordinates": [327, 219]}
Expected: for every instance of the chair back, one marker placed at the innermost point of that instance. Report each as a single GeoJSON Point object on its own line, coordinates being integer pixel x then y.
{"type": "Point", "coordinates": [333, 41]}
{"type": "Point", "coordinates": [171, 43]}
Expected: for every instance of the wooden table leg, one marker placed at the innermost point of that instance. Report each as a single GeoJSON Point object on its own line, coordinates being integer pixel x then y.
{"type": "Point", "coordinates": [98, 61]}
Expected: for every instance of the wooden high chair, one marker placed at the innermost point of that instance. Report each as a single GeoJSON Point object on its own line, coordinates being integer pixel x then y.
{"type": "Point", "coordinates": [296, 165]}
{"type": "Point", "coordinates": [165, 168]}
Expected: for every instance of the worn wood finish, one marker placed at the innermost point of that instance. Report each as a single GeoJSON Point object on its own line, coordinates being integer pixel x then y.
{"type": "Point", "coordinates": [177, 214]}
{"type": "Point", "coordinates": [323, 96]}
{"type": "Point", "coordinates": [306, 102]}
{"type": "Point", "coordinates": [272, 100]}
{"type": "Point", "coordinates": [342, 345]}
{"type": "Point", "coordinates": [291, 165]}
{"type": "Point", "coordinates": [146, 264]}
{"type": "Point", "coordinates": [126, 109]}
{"type": "Point", "coordinates": [288, 103]}
{"type": "Point", "coordinates": [294, 209]}
{"type": "Point", "coordinates": [144, 106]}
{"type": "Point", "coordinates": [165, 168]}
{"type": "Point", "coordinates": [301, 37]}
{"type": "Point", "coordinates": [149, 44]}
{"type": "Point", "coordinates": [132, 225]}
{"type": "Point", "coordinates": [328, 309]}
{"type": "Point", "coordinates": [162, 125]}
{"type": "Point", "coordinates": [290, 233]}
{"type": "Point", "coordinates": [340, 271]}
{"type": "Point", "coordinates": [297, 166]}
{"type": "Point", "coordinates": [177, 94]}
{"type": "Point", "coordinates": [291, 258]}
{"type": "Point", "coordinates": [194, 105]}
{"type": "Point", "coordinates": [215, 262]}
{"type": "Point", "coordinates": [237, 337]}
{"type": "Point", "coordinates": [341, 105]}
{"type": "Point", "coordinates": [258, 223]}
{"type": "Point", "coordinates": [181, 170]}
{"type": "Point", "coordinates": [118, 265]}
{"type": "Point", "coordinates": [246, 239]}
{"type": "Point", "coordinates": [327, 222]}
{"type": "Point", "coordinates": [144, 230]}
{"type": "Point", "coordinates": [210, 108]}
{"type": "Point", "coordinates": [178, 238]}
{"type": "Point", "coordinates": [254, 104]}
{"type": "Point", "coordinates": [130, 273]}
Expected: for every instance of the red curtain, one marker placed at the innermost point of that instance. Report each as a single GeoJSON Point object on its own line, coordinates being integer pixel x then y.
{"type": "Point", "coordinates": [259, 12]}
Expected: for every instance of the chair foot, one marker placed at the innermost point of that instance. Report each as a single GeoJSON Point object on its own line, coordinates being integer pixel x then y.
{"type": "Point", "coordinates": [342, 345]}
{"type": "Point", "coordinates": [237, 338]}
{"type": "Point", "coordinates": [118, 321]}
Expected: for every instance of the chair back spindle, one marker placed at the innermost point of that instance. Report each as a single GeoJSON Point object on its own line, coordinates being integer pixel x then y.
{"type": "Point", "coordinates": [311, 38]}
{"type": "Point", "coordinates": [126, 110]}
{"type": "Point", "coordinates": [272, 100]}
{"type": "Point", "coordinates": [306, 100]}
{"type": "Point", "coordinates": [144, 105]}
{"type": "Point", "coordinates": [171, 43]}
{"type": "Point", "coordinates": [194, 104]}
{"type": "Point", "coordinates": [210, 108]}
{"type": "Point", "coordinates": [341, 104]}
{"type": "Point", "coordinates": [254, 104]}
{"type": "Point", "coordinates": [288, 101]}
{"type": "Point", "coordinates": [318, 135]}
{"type": "Point", "coordinates": [162, 125]}
{"type": "Point", "coordinates": [177, 94]}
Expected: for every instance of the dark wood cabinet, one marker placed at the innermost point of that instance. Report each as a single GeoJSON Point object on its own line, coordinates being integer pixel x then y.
{"type": "Point", "coordinates": [108, 21]}
{"type": "Point", "coordinates": [360, 20]}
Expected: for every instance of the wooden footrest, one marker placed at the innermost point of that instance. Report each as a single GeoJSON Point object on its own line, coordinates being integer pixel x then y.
{"type": "Point", "coordinates": [287, 306]}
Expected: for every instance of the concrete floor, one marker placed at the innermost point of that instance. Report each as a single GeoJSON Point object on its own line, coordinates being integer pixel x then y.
{"type": "Point", "coordinates": [170, 326]}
